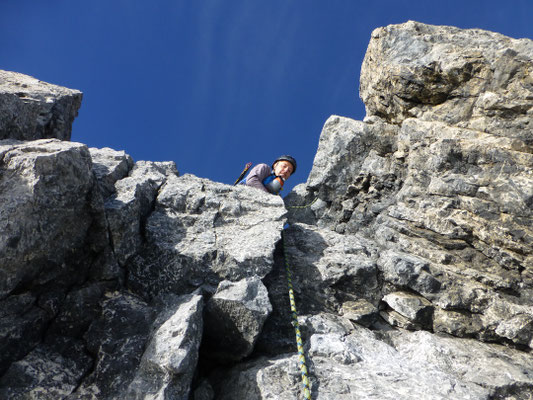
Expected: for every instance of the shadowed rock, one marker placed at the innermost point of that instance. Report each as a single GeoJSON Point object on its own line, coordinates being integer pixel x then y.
{"type": "Point", "coordinates": [32, 109]}
{"type": "Point", "coordinates": [235, 317]}
{"type": "Point", "coordinates": [169, 361]}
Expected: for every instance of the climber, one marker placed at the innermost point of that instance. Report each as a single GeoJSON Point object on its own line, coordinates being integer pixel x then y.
{"type": "Point", "coordinates": [271, 178]}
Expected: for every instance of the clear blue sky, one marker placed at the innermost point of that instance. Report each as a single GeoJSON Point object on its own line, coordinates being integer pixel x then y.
{"type": "Point", "coordinates": [212, 84]}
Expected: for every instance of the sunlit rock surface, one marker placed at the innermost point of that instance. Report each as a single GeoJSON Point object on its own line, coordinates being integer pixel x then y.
{"type": "Point", "coordinates": [412, 266]}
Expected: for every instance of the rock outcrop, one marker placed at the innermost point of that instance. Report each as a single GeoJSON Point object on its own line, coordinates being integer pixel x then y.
{"type": "Point", "coordinates": [32, 109]}
{"type": "Point", "coordinates": [440, 182]}
{"type": "Point", "coordinates": [92, 247]}
{"type": "Point", "coordinates": [412, 266]}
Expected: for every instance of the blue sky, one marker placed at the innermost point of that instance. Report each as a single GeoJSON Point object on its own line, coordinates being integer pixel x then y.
{"type": "Point", "coordinates": [214, 84]}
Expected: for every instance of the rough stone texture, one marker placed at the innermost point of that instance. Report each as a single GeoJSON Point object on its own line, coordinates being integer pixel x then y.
{"type": "Point", "coordinates": [467, 78]}
{"type": "Point", "coordinates": [110, 166]}
{"type": "Point", "coordinates": [360, 311]}
{"type": "Point", "coordinates": [32, 109]}
{"type": "Point", "coordinates": [78, 225]}
{"type": "Point", "coordinates": [169, 361]}
{"type": "Point", "coordinates": [66, 222]}
{"type": "Point", "coordinates": [52, 180]}
{"type": "Point", "coordinates": [439, 180]}
{"type": "Point", "coordinates": [412, 266]}
{"type": "Point", "coordinates": [415, 308]}
{"type": "Point", "coordinates": [202, 232]}
{"type": "Point", "coordinates": [132, 203]}
{"type": "Point", "coordinates": [448, 201]}
{"type": "Point", "coordinates": [50, 371]}
{"type": "Point", "coordinates": [21, 327]}
{"type": "Point", "coordinates": [116, 340]}
{"type": "Point", "coordinates": [353, 363]}
{"type": "Point", "coordinates": [52, 239]}
{"type": "Point", "coordinates": [235, 317]}
{"type": "Point", "coordinates": [504, 372]}
{"type": "Point", "coordinates": [329, 268]}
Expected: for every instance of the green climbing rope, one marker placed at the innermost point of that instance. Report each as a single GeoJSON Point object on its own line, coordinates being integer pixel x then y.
{"type": "Point", "coordinates": [301, 356]}
{"type": "Point", "coordinates": [307, 205]}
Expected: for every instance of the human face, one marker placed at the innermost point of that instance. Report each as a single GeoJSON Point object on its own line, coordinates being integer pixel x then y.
{"type": "Point", "coordinates": [283, 168]}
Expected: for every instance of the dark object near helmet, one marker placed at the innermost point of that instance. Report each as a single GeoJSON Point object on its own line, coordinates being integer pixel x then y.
{"type": "Point", "coordinates": [286, 158]}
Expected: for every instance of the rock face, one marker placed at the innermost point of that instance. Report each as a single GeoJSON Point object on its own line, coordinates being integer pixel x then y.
{"type": "Point", "coordinates": [169, 362]}
{"type": "Point", "coordinates": [202, 232]}
{"type": "Point", "coordinates": [470, 79]}
{"type": "Point", "coordinates": [106, 265]}
{"type": "Point", "coordinates": [351, 362]}
{"type": "Point", "coordinates": [32, 109]}
{"type": "Point", "coordinates": [440, 182]}
{"type": "Point", "coordinates": [235, 317]}
{"type": "Point", "coordinates": [412, 266]}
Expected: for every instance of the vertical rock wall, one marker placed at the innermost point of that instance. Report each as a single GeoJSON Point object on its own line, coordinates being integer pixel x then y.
{"type": "Point", "coordinates": [438, 178]}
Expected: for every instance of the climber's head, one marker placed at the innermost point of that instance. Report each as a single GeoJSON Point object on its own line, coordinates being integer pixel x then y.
{"type": "Point", "coordinates": [284, 166]}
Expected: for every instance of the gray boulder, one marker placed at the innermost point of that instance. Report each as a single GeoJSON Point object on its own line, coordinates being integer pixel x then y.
{"type": "Point", "coordinates": [234, 318]}
{"type": "Point", "coordinates": [49, 207]}
{"type": "Point", "coordinates": [53, 238]}
{"type": "Point", "coordinates": [168, 364]}
{"type": "Point", "coordinates": [467, 78]}
{"type": "Point", "coordinates": [31, 109]}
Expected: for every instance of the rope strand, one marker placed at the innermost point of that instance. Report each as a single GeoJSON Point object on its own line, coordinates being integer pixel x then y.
{"type": "Point", "coordinates": [307, 205]}
{"type": "Point", "coordinates": [301, 357]}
